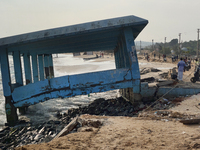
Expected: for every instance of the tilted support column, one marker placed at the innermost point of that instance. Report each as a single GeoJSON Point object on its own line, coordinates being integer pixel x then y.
{"type": "Point", "coordinates": [121, 56]}
{"type": "Point", "coordinates": [46, 66]}
{"type": "Point", "coordinates": [27, 68]}
{"type": "Point", "coordinates": [18, 74]}
{"type": "Point", "coordinates": [51, 69]}
{"type": "Point", "coordinates": [18, 68]}
{"type": "Point", "coordinates": [132, 57]}
{"type": "Point", "coordinates": [11, 111]}
{"type": "Point", "coordinates": [35, 67]}
{"type": "Point", "coordinates": [28, 76]}
{"type": "Point", "coordinates": [132, 62]}
{"type": "Point", "coordinates": [122, 62]}
{"type": "Point", "coordinates": [116, 53]}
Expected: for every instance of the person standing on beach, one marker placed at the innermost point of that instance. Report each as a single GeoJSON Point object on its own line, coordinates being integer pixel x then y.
{"type": "Point", "coordinates": [181, 66]}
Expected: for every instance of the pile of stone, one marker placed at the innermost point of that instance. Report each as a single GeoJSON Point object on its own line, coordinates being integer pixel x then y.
{"type": "Point", "coordinates": [26, 133]}
{"type": "Point", "coordinates": [111, 107]}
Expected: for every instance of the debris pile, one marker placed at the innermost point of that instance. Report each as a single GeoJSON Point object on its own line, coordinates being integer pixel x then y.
{"type": "Point", "coordinates": [163, 103]}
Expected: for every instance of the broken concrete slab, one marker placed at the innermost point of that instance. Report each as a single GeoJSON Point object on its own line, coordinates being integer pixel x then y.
{"type": "Point", "coordinates": [148, 92]}
{"type": "Point", "coordinates": [167, 82]}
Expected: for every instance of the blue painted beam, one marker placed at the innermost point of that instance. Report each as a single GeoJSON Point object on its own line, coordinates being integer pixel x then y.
{"type": "Point", "coordinates": [69, 93]}
{"type": "Point", "coordinates": [27, 68]}
{"type": "Point", "coordinates": [35, 67]}
{"type": "Point", "coordinates": [134, 66]}
{"type": "Point", "coordinates": [75, 85]}
{"type": "Point", "coordinates": [46, 66]}
{"type": "Point", "coordinates": [96, 78]}
{"type": "Point", "coordinates": [71, 47]}
{"type": "Point", "coordinates": [83, 39]}
{"type": "Point", "coordinates": [18, 68]}
{"type": "Point", "coordinates": [102, 47]}
{"type": "Point", "coordinates": [41, 66]}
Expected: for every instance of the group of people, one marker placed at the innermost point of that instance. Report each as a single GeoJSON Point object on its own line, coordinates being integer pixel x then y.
{"type": "Point", "coordinates": [183, 65]}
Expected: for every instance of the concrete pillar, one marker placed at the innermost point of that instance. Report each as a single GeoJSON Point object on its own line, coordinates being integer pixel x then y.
{"type": "Point", "coordinates": [117, 57]}
{"type": "Point", "coordinates": [46, 66]}
{"type": "Point", "coordinates": [28, 76]}
{"type": "Point", "coordinates": [41, 66]}
{"type": "Point", "coordinates": [35, 67]}
{"type": "Point", "coordinates": [121, 56]}
{"type": "Point", "coordinates": [123, 64]}
{"type": "Point", "coordinates": [27, 68]}
{"type": "Point", "coordinates": [125, 54]}
{"type": "Point", "coordinates": [51, 68]}
{"type": "Point", "coordinates": [133, 94]}
{"type": "Point", "coordinates": [18, 68]}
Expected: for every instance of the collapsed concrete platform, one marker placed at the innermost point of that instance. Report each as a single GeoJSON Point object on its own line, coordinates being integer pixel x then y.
{"type": "Point", "coordinates": [167, 91]}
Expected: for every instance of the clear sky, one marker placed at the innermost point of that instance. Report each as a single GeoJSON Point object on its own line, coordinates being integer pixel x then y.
{"type": "Point", "coordinates": [167, 18]}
